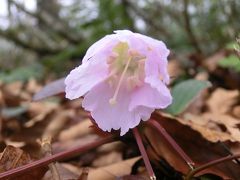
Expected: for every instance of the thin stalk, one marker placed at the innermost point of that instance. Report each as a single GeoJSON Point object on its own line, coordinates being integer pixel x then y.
{"type": "Point", "coordinates": [144, 154]}
{"type": "Point", "coordinates": [209, 164]}
{"type": "Point", "coordinates": [172, 142]}
{"type": "Point", "coordinates": [56, 157]}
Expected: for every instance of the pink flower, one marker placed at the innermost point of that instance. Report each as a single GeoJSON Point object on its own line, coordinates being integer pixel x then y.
{"type": "Point", "coordinates": [122, 79]}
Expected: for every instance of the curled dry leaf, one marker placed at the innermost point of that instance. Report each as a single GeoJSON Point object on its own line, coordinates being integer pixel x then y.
{"type": "Point", "coordinates": [13, 157]}
{"type": "Point", "coordinates": [66, 145]}
{"type": "Point", "coordinates": [112, 171]}
{"type": "Point", "coordinates": [107, 159]}
{"type": "Point", "coordinates": [236, 111]}
{"type": "Point", "coordinates": [80, 129]}
{"type": "Point", "coordinates": [39, 111]}
{"type": "Point", "coordinates": [32, 86]}
{"type": "Point", "coordinates": [222, 100]}
{"type": "Point", "coordinates": [214, 127]}
{"type": "Point", "coordinates": [194, 145]}
{"type": "Point", "coordinates": [65, 173]}
{"type": "Point", "coordinates": [58, 123]}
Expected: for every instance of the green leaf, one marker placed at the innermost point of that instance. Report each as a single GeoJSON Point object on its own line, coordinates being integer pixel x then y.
{"type": "Point", "coordinates": [232, 45]}
{"type": "Point", "coordinates": [13, 111]}
{"type": "Point", "coordinates": [184, 93]}
{"type": "Point", "coordinates": [232, 61]}
{"type": "Point", "coordinates": [22, 73]}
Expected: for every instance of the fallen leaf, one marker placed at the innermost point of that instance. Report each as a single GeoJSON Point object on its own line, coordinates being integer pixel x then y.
{"type": "Point", "coordinates": [13, 157]}
{"type": "Point", "coordinates": [107, 159]}
{"type": "Point", "coordinates": [78, 130]}
{"type": "Point", "coordinates": [65, 173]}
{"type": "Point", "coordinates": [236, 111]}
{"type": "Point", "coordinates": [32, 86]}
{"type": "Point", "coordinates": [222, 100]}
{"type": "Point", "coordinates": [58, 123]}
{"type": "Point", "coordinates": [194, 145]}
{"type": "Point", "coordinates": [112, 171]}
{"type": "Point", "coordinates": [214, 127]}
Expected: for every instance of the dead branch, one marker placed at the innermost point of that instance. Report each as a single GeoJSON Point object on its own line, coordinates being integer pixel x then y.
{"type": "Point", "coordinates": [188, 28]}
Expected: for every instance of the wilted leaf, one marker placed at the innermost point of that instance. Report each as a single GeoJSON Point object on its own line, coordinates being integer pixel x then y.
{"type": "Point", "coordinates": [53, 88]}
{"type": "Point", "coordinates": [184, 93]}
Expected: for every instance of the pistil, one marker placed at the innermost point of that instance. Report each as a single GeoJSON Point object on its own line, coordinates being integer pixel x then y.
{"type": "Point", "coordinates": [113, 100]}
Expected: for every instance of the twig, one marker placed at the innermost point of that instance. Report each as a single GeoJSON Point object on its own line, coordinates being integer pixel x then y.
{"type": "Point", "coordinates": [144, 154]}
{"type": "Point", "coordinates": [56, 157]}
{"type": "Point", "coordinates": [58, 25]}
{"type": "Point", "coordinates": [209, 164]}
{"type": "Point", "coordinates": [229, 151]}
{"type": "Point", "coordinates": [188, 27]}
{"type": "Point", "coordinates": [172, 142]}
{"type": "Point", "coordinates": [47, 150]}
{"type": "Point", "coordinates": [149, 20]}
{"type": "Point", "coordinates": [13, 36]}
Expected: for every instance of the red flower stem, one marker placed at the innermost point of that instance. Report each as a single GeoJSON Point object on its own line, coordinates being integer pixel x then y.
{"type": "Point", "coordinates": [172, 142]}
{"type": "Point", "coordinates": [56, 157]}
{"type": "Point", "coordinates": [144, 154]}
{"type": "Point", "coordinates": [209, 164]}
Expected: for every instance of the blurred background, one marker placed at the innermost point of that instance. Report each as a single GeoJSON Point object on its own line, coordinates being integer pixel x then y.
{"type": "Point", "coordinates": [39, 38]}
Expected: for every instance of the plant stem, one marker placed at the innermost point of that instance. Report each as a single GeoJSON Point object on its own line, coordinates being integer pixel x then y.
{"type": "Point", "coordinates": [144, 154]}
{"type": "Point", "coordinates": [172, 142]}
{"type": "Point", "coordinates": [209, 164]}
{"type": "Point", "coordinates": [56, 157]}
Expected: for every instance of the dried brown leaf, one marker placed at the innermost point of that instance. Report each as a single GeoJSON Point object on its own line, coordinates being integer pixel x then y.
{"type": "Point", "coordinates": [13, 157]}
{"type": "Point", "coordinates": [65, 173]}
{"type": "Point", "coordinates": [107, 159]}
{"type": "Point", "coordinates": [214, 127]}
{"type": "Point", "coordinates": [78, 130]}
{"type": "Point", "coordinates": [198, 148]}
{"type": "Point", "coordinates": [222, 100]}
{"type": "Point", "coordinates": [112, 171]}
{"type": "Point", "coordinates": [236, 111]}
{"type": "Point", "coordinates": [58, 123]}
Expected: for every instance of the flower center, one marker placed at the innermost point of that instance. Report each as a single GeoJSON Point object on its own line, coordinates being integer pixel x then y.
{"type": "Point", "coordinates": [126, 67]}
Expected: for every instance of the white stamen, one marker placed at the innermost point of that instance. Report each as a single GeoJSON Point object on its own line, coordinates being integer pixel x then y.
{"type": "Point", "coordinates": [113, 100]}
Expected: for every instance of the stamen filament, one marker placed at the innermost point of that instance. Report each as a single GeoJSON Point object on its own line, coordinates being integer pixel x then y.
{"type": "Point", "coordinates": [113, 101]}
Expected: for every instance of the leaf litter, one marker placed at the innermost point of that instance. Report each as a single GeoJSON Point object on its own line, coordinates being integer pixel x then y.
{"type": "Point", "coordinates": [207, 129]}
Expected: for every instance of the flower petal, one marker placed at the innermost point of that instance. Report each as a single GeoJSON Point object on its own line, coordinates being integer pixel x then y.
{"type": "Point", "coordinates": [157, 96]}
{"type": "Point", "coordinates": [111, 116]}
{"type": "Point", "coordinates": [155, 51]}
{"type": "Point", "coordinates": [104, 44]}
{"type": "Point", "coordinates": [84, 78]}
